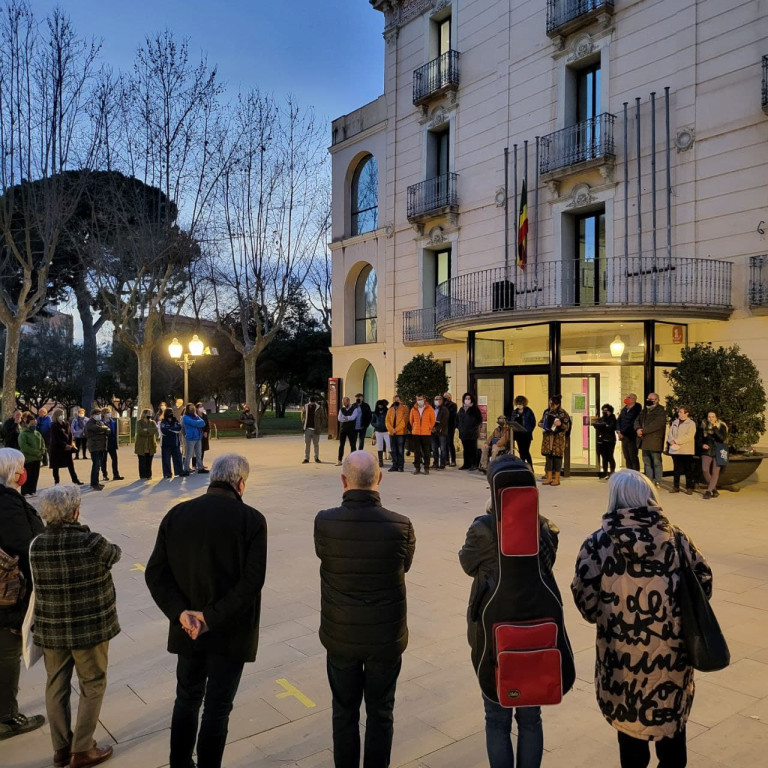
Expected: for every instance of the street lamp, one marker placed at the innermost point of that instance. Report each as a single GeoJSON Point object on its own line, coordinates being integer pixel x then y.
{"type": "Point", "coordinates": [185, 360]}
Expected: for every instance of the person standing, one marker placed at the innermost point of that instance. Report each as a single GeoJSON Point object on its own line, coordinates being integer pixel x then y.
{"type": "Point", "coordinates": [627, 432]}
{"type": "Point", "coordinates": [75, 618]}
{"type": "Point", "coordinates": [605, 427]}
{"type": "Point", "coordinates": [524, 417]}
{"type": "Point", "coordinates": [213, 608]}
{"type": "Point", "coordinates": [650, 426]}
{"type": "Point", "coordinates": [440, 434]}
{"type": "Point", "coordinates": [379, 424]}
{"type": "Point", "coordinates": [625, 583]}
{"type": "Point", "coordinates": [347, 419]}
{"type": "Point", "coordinates": [497, 442]}
{"type": "Point", "coordinates": [78, 432]}
{"type": "Point", "coordinates": [112, 446]}
{"type": "Point", "coordinates": [205, 443]}
{"type": "Point", "coordinates": [714, 437]}
{"type": "Point", "coordinates": [192, 426]}
{"type": "Point", "coordinates": [363, 421]}
{"type": "Point", "coordinates": [555, 423]}
{"type": "Point", "coordinates": [468, 420]}
{"type": "Point", "coordinates": [314, 420]}
{"type": "Point", "coordinates": [11, 430]}
{"type": "Point", "coordinates": [682, 448]}
{"type": "Point", "coordinates": [97, 434]}
{"type": "Point", "coordinates": [365, 551]}
{"type": "Point", "coordinates": [397, 427]}
{"type": "Point", "coordinates": [452, 414]}
{"type": "Point", "coordinates": [170, 445]}
{"type": "Point", "coordinates": [44, 426]}
{"type": "Point", "coordinates": [247, 420]}
{"type": "Point", "coordinates": [19, 524]}
{"type": "Point", "coordinates": [422, 423]}
{"type": "Point", "coordinates": [62, 447]}
{"type": "Point", "coordinates": [31, 444]}
{"type": "Point", "coordinates": [146, 443]}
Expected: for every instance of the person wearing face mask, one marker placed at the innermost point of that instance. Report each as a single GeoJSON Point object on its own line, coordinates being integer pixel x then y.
{"type": "Point", "coordinates": [714, 435]}
{"type": "Point", "coordinates": [627, 433]}
{"type": "Point", "coordinates": [440, 434]}
{"type": "Point", "coordinates": [62, 447]}
{"type": "Point", "coordinates": [468, 421]}
{"type": "Point", "coordinates": [347, 418]}
{"type": "Point", "coordinates": [78, 432]}
{"type": "Point", "coordinates": [681, 443]}
{"type": "Point", "coordinates": [205, 443]}
{"type": "Point", "coordinates": [97, 435]}
{"type": "Point", "coordinates": [605, 426]}
{"type": "Point", "coordinates": [397, 427]}
{"type": "Point", "coordinates": [146, 443]}
{"type": "Point", "coordinates": [362, 420]}
{"type": "Point", "coordinates": [379, 422]}
{"type": "Point", "coordinates": [555, 423]}
{"type": "Point", "coordinates": [498, 442]}
{"type": "Point", "coordinates": [107, 418]}
{"type": "Point", "coordinates": [650, 426]}
{"type": "Point", "coordinates": [422, 424]}
{"type": "Point", "coordinates": [32, 445]}
{"type": "Point", "coordinates": [525, 418]}
{"type": "Point", "coordinates": [452, 415]}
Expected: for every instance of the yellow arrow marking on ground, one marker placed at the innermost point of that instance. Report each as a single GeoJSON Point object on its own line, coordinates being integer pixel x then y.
{"type": "Point", "coordinates": [292, 690]}
{"type": "Point", "coordinates": [138, 567]}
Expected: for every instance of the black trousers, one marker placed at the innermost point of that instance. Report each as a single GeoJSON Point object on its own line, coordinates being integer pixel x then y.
{"type": "Point", "coordinates": [112, 455]}
{"type": "Point", "coordinates": [80, 443]}
{"type": "Point", "coordinates": [398, 450]}
{"type": "Point", "coordinates": [343, 438]}
{"type": "Point", "coordinates": [97, 459]}
{"type": "Point", "coordinates": [214, 680]}
{"type": "Point", "coordinates": [523, 441]}
{"type": "Point", "coordinates": [471, 454]}
{"type": "Point", "coordinates": [33, 475]}
{"type": "Point", "coordinates": [70, 466]}
{"type": "Point", "coordinates": [145, 466]}
{"type": "Point", "coordinates": [350, 682]}
{"type": "Point", "coordinates": [683, 465]}
{"type": "Point", "coordinates": [636, 753]}
{"type": "Point", "coordinates": [452, 445]}
{"type": "Point", "coordinates": [605, 453]}
{"type": "Point", "coordinates": [360, 439]}
{"type": "Point", "coordinates": [422, 449]}
{"type": "Point", "coordinates": [630, 452]}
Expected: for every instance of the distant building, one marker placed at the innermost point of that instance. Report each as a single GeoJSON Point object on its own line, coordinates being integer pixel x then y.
{"type": "Point", "coordinates": [51, 321]}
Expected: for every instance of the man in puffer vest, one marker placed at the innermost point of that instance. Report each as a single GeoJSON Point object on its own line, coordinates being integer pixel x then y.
{"type": "Point", "coordinates": [365, 551]}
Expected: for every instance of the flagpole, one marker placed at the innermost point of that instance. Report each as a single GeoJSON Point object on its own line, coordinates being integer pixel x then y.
{"type": "Point", "coordinates": [514, 173]}
{"type": "Point", "coordinates": [653, 190]}
{"type": "Point", "coordinates": [506, 213]}
{"type": "Point", "coordinates": [536, 211]}
{"type": "Point", "coordinates": [525, 182]}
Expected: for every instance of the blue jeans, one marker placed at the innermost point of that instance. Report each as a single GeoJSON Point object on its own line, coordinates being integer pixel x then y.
{"type": "Point", "coordinates": [350, 681]}
{"type": "Point", "coordinates": [194, 448]}
{"type": "Point", "coordinates": [398, 450]}
{"type": "Point", "coordinates": [498, 736]}
{"type": "Point", "coordinates": [439, 450]}
{"type": "Point", "coordinates": [652, 465]}
{"type": "Point", "coordinates": [215, 679]}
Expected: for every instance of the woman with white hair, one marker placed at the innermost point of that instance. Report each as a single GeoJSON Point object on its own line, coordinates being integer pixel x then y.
{"type": "Point", "coordinates": [75, 618]}
{"type": "Point", "coordinates": [19, 524]}
{"type": "Point", "coordinates": [626, 581]}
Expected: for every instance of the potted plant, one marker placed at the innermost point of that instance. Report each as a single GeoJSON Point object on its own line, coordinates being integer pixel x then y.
{"type": "Point", "coordinates": [724, 380]}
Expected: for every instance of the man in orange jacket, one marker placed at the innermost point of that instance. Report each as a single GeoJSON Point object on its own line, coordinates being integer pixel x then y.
{"type": "Point", "coordinates": [397, 426]}
{"type": "Point", "coordinates": [422, 422]}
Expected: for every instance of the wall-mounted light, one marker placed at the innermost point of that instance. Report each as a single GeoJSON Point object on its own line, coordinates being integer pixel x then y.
{"type": "Point", "coordinates": [617, 347]}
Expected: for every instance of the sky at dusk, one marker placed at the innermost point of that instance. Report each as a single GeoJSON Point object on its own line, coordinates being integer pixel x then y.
{"type": "Point", "coordinates": [327, 53]}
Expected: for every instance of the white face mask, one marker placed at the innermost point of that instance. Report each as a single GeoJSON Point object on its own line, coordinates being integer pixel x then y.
{"type": "Point", "coordinates": [96, 418]}
{"type": "Point", "coordinates": [420, 403]}
{"type": "Point", "coordinates": [438, 403]}
{"type": "Point", "coordinates": [467, 402]}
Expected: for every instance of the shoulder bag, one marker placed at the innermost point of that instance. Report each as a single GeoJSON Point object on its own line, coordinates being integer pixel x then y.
{"type": "Point", "coordinates": [721, 454]}
{"type": "Point", "coordinates": [703, 638]}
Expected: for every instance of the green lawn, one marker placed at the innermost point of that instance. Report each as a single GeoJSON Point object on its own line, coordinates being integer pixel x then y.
{"type": "Point", "coordinates": [290, 424]}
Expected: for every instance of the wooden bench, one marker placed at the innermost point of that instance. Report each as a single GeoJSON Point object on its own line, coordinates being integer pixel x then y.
{"type": "Point", "coordinates": [225, 425]}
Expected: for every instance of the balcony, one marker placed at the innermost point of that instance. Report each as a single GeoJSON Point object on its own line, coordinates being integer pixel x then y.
{"type": "Point", "coordinates": [588, 144]}
{"type": "Point", "coordinates": [419, 325]}
{"type": "Point", "coordinates": [438, 77]}
{"type": "Point", "coordinates": [765, 84]}
{"type": "Point", "coordinates": [433, 197]}
{"type": "Point", "coordinates": [566, 16]}
{"type": "Point", "coordinates": [644, 286]}
{"type": "Point", "coordinates": [758, 282]}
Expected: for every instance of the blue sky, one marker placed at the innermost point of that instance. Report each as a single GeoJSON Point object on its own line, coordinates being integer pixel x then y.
{"type": "Point", "coordinates": [327, 53]}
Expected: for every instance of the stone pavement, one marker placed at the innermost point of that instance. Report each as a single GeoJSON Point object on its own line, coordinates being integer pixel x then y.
{"type": "Point", "coordinates": [282, 711]}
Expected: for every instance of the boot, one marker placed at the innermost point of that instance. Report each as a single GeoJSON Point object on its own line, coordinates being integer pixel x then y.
{"type": "Point", "coordinates": [381, 458]}
{"type": "Point", "coordinates": [548, 479]}
{"type": "Point", "coordinates": [556, 479]}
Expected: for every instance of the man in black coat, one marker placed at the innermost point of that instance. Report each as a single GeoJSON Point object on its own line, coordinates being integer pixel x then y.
{"type": "Point", "coordinates": [11, 430]}
{"type": "Point", "coordinates": [365, 552]}
{"type": "Point", "coordinates": [206, 574]}
{"type": "Point", "coordinates": [627, 433]}
{"type": "Point", "coordinates": [366, 415]}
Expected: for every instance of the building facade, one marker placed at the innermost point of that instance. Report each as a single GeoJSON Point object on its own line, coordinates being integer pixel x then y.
{"type": "Point", "coordinates": [639, 130]}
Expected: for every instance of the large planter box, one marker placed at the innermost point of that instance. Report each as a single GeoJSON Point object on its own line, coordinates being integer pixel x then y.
{"type": "Point", "coordinates": [739, 468]}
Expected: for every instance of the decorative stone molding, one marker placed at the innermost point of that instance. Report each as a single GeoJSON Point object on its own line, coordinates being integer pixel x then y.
{"type": "Point", "coordinates": [606, 171]}
{"type": "Point", "coordinates": [581, 196]}
{"type": "Point", "coordinates": [436, 236]}
{"type": "Point", "coordinates": [439, 116]}
{"type": "Point", "coordinates": [389, 230]}
{"type": "Point", "coordinates": [439, 6]}
{"type": "Point", "coordinates": [582, 46]}
{"type": "Point", "coordinates": [418, 227]}
{"type": "Point", "coordinates": [500, 197]}
{"type": "Point", "coordinates": [685, 138]}
{"type": "Point", "coordinates": [391, 34]}
{"type": "Point", "coordinates": [452, 219]}
{"type": "Point", "coordinates": [441, 113]}
{"type": "Point", "coordinates": [554, 188]}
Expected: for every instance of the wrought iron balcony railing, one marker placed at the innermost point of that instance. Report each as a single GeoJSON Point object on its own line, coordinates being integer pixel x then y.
{"type": "Point", "coordinates": [419, 325]}
{"type": "Point", "coordinates": [765, 84]}
{"type": "Point", "coordinates": [433, 196]}
{"type": "Point", "coordinates": [580, 143]}
{"type": "Point", "coordinates": [636, 282]}
{"type": "Point", "coordinates": [437, 77]}
{"type": "Point", "coordinates": [758, 281]}
{"type": "Point", "coordinates": [565, 15]}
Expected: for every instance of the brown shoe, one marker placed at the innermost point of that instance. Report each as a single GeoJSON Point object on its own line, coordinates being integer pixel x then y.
{"type": "Point", "coordinates": [61, 757]}
{"type": "Point", "coordinates": [93, 756]}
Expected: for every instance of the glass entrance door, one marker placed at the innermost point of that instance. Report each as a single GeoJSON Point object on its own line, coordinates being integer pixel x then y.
{"type": "Point", "coordinates": [581, 399]}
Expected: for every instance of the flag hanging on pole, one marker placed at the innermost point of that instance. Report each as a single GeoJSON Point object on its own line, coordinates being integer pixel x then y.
{"type": "Point", "coordinates": [522, 230]}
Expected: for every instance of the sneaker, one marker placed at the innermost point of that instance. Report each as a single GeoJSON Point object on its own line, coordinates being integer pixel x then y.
{"type": "Point", "coordinates": [306, 461]}
{"type": "Point", "coordinates": [708, 495]}
{"type": "Point", "coordinates": [203, 471]}
{"type": "Point", "coordinates": [688, 492]}
{"type": "Point", "coordinates": [183, 474]}
{"type": "Point", "coordinates": [674, 490]}
{"type": "Point", "coordinates": [317, 461]}
{"type": "Point", "coordinates": [118, 477]}
{"type": "Point", "coordinates": [168, 477]}
{"type": "Point", "coordinates": [77, 482]}
{"type": "Point", "coordinates": [452, 464]}
{"type": "Point", "coordinates": [602, 476]}
{"type": "Point", "coordinates": [338, 463]}
{"type": "Point", "coordinates": [20, 724]}
{"type": "Point", "coordinates": [392, 469]}
{"type": "Point", "coordinates": [97, 487]}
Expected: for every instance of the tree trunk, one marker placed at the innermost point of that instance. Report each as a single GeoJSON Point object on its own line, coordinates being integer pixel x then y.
{"type": "Point", "coordinates": [144, 358]}
{"type": "Point", "coordinates": [10, 374]}
{"type": "Point", "coordinates": [90, 350]}
{"type": "Point", "coordinates": [251, 393]}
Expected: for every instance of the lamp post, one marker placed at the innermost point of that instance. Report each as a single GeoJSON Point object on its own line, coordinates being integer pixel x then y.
{"type": "Point", "coordinates": [185, 360]}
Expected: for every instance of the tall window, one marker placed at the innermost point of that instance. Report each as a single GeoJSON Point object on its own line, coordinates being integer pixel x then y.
{"type": "Point", "coordinates": [589, 280]}
{"type": "Point", "coordinates": [365, 196]}
{"type": "Point", "coordinates": [366, 306]}
{"type": "Point", "coordinates": [438, 153]}
{"type": "Point", "coordinates": [588, 92]}
{"type": "Point", "coordinates": [437, 269]}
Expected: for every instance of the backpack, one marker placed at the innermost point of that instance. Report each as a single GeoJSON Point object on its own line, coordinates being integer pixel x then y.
{"type": "Point", "coordinates": [13, 585]}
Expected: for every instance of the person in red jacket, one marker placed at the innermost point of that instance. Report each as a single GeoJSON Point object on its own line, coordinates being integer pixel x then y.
{"type": "Point", "coordinates": [422, 423]}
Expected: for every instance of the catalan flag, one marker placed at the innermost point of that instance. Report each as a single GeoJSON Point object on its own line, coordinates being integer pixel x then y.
{"type": "Point", "coordinates": [522, 230]}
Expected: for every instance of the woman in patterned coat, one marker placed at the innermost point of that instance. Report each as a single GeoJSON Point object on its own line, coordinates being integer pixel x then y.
{"type": "Point", "coordinates": [556, 424]}
{"type": "Point", "coordinates": [626, 581]}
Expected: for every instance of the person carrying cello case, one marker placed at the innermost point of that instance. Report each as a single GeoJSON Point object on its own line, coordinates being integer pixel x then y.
{"type": "Point", "coordinates": [515, 627]}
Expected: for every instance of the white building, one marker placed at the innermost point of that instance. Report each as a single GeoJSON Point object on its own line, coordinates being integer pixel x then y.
{"type": "Point", "coordinates": [425, 216]}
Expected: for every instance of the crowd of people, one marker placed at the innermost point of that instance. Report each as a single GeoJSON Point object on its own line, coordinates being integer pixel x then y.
{"type": "Point", "coordinates": [643, 680]}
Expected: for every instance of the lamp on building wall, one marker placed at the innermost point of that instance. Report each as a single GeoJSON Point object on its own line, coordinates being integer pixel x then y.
{"type": "Point", "coordinates": [617, 347]}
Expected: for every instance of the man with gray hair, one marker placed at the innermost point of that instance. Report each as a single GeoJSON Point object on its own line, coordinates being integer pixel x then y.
{"type": "Point", "coordinates": [206, 574]}
{"type": "Point", "coordinates": [365, 551]}
{"type": "Point", "coordinates": [75, 618]}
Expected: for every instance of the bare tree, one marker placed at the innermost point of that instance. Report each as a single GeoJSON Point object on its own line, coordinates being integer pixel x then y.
{"type": "Point", "coordinates": [45, 77]}
{"type": "Point", "coordinates": [318, 285]}
{"type": "Point", "coordinates": [269, 204]}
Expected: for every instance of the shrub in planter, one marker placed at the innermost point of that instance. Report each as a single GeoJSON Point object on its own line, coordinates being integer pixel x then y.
{"type": "Point", "coordinates": [724, 380]}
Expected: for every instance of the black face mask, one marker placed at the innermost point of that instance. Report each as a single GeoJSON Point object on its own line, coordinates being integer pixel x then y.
{"type": "Point", "coordinates": [650, 403]}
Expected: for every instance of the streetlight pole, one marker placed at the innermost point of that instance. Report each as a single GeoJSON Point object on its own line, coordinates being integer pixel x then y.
{"type": "Point", "coordinates": [185, 360]}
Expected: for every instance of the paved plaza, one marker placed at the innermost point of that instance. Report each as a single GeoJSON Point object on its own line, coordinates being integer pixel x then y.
{"type": "Point", "coordinates": [282, 711]}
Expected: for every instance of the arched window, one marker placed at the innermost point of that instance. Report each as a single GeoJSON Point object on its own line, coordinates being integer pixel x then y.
{"type": "Point", "coordinates": [365, 196]}
{"type": "Point", "coordinates": [366, 306]}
